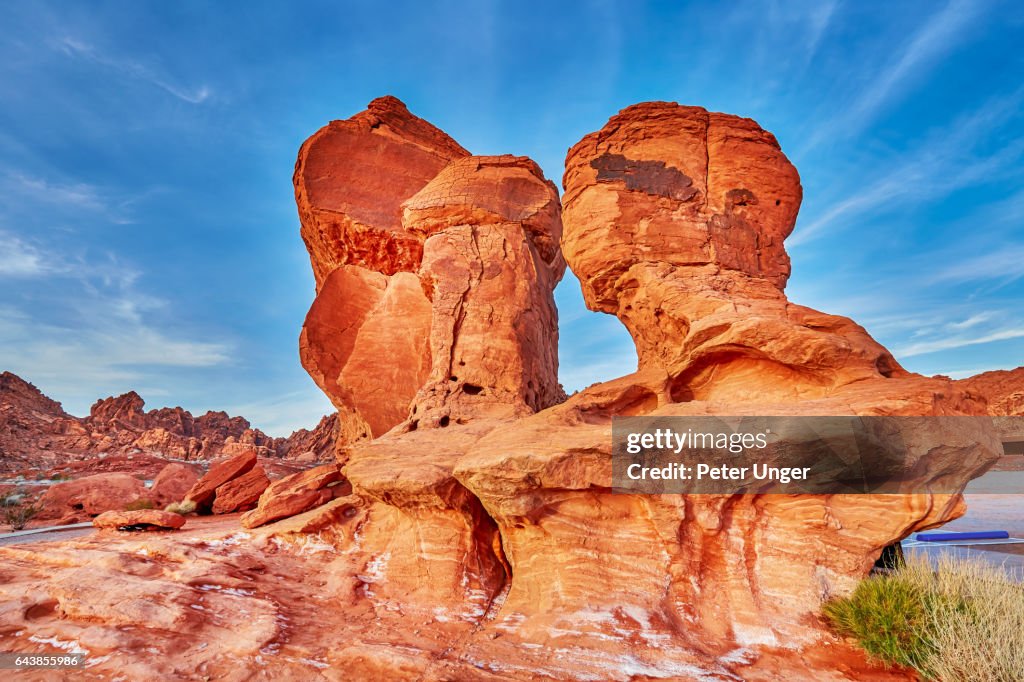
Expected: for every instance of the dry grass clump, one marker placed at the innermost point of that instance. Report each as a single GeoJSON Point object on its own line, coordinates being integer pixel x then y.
{"type": "Point", "coordinates": [957, 620]}
{"type": "Point", "coordinates": [17, 510]}
{"type": "Point", "coordinates": [183, 507]}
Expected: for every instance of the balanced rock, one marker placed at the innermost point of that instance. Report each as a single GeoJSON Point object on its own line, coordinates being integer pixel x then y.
{"type": "Point", "coordinates": [205, 489]}
{"type": "Point", "coordinates": [241, 493]}
{"type": "Point", "coordinates": [674, 222]}
{"type": "Point", "coordinates": [295, 494]}
{"type": "Point", "coordinates": [142, 519]}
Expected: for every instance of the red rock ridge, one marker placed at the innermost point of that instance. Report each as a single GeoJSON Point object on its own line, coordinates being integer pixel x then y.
{"type": "Point", "coordinates": [36, 433]}
{"type": "Point", "coordinates": [1003, 389]}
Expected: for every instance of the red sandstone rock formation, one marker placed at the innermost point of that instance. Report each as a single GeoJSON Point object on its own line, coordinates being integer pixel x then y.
{"type": "Point", "coordinates": [482, 540]}
{"type": "Point", "coordinates": [142, 519]}
{"type": "Point", "coordinates": [674, 221]}
{"type": "Point", "coordinates": [1003, 389]}
{"type": "Point", "coordinates": [120, 423]}
{"type": "Point", "coordinates": [34, 430]}
{"type": "Point", "coordinates": [316, 445]}
{"type": "Point", "coordinates": [418, 249]}
{"type": "Point", "coordinates": [172, 484]}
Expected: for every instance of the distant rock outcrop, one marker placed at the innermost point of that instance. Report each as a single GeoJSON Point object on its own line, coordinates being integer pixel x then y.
{"type": "Point", "coordinates": [1003, 389]}
{"type": "Point", "coordinates": [36, 433]}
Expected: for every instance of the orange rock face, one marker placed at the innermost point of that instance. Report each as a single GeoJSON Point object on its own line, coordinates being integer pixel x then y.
{"type": "Point", "coordinates": [434, 270]}
{"type": "Point", "coordinates": [139, 519]}
{"type": "Point", "coordinates": [1003, 389]}
{"type": "Point", "coordinates": [675, 219]}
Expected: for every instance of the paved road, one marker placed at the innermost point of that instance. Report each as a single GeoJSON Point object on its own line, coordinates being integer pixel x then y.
{"type": "Point", "coordinates": [53, 534]}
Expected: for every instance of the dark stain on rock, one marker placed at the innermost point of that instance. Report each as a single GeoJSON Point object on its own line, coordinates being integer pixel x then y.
{"type": "Point", "coordinates": [740, 197]}
{"type": "Point", "coordinates": [652, 177]}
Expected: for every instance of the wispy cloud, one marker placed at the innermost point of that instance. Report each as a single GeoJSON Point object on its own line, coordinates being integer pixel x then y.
{"type": "Point", "coordinates": [952, 342]}
{"type": "Point", "coordinates": [78, 195]}
{"type": "Point", "coordinates": [972, 321]}
{"type": "Point", "coordinates": [18, 259]}
{"type": "Point", "coordinates": [818, 21]}
{"type": "Point", "coordinates": [936, 38]}
{"type": "Point", "coordinates": [21, 191]}
{"type": "Point", "coordinates": [938, 35]}
{"type": "Point", "coordinates": [284, 413]}
{"type": "Point", "coordinates": [85, 328]}
{"type": "Point", "coordinates": [134, 69]}
{"type": "Point", "coordinates": [1006, 264]}
{"type": "Point", "coordinates": [945, 161]}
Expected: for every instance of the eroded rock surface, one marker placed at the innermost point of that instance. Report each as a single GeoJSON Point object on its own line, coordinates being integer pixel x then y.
{"type": "Point", "coordinates": [434, 270]}
{"type": "Point", "coordinates": [674, 222]}
{"type": "Point", "coordinates": [1003, 389]}
{"type": "Point", "coordinates": [140, 519]}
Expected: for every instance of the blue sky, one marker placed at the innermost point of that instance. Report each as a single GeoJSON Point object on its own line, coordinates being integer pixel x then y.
{"type": "Point", "coordinates": [149, 239]}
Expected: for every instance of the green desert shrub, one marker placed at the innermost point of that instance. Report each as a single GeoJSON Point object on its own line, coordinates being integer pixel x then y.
{"type": "Point", "coordinates": [17, 515]}
{"type": "Point", "coordinates": [183, 507]}
{"type": "Point", "coordinates": [957, 620]}
{"type": "Point", "coordinates": [141, 503]}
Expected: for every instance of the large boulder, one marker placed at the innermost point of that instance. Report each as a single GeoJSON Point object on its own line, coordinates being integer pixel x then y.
{"type": "Point", "coordinates": [90, 496]}
{"type": "Point", "coordinates": [141, 519]}
{"type": "Point", "coordinates": [295, 494]}
{"type": "Point", "coordinates": [205, 489]}
{"type": "Point", "coordinates": [241, 493]}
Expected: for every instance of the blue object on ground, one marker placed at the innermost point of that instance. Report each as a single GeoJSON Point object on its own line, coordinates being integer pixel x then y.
{"type": "Point", "coordinates": [976, 535]}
